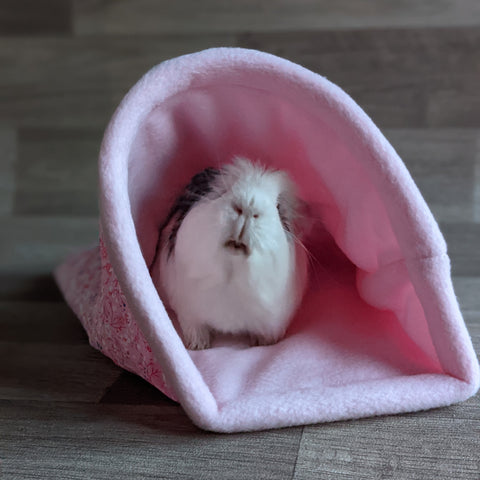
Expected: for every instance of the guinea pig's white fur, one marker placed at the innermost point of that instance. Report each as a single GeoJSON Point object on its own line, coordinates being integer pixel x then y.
{"type": "Point", "coordinates": [235, 268]}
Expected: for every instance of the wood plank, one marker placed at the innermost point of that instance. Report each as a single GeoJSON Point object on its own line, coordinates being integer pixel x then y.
{"type": "Point", "coordinates": [476, 191]}
{"type": "Point", "coordinates": [40, 322]}
{"type": "Point", "coordinates": [442, 163]}
{"type": "Point", "coordinates": [31, 17]}
{"type": "Point", "coordinates": [78, 82]}
{"type": "Point", "coordinates": [54, 372]}
{"type": "Point", "coordinates": [472, 320]}
{"type": "Point", "coordinates": [125, 442]}
{"type": "Point", "coordinates": [34, 245]}
{"type": "Point", "coordinates": [8, 155]}
{"type": "Point", "coordinates": [467, 289]}
{"type": "Point", "coordinates": [463, 240]}
{"type": "Point", "coordinates": [439, 444]}
{"type": "Point", "coordinates": [29, 286]}
{"type": "Point", "coordinates": [397, 76]}
{"type": "Point", "coordinates": [54, 82]}
{"type": "Point", "coordinates": [45, 355]}
{"type": "Point", "coordinates": [56, 172]}
{"type": "Point", "coordinates": [455, 103]}
{"type": "Point", "coordinates": [150, 16]}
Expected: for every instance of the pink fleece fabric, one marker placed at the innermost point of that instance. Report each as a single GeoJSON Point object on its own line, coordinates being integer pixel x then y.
{"type": "Point", "coordinates": [379, 331]}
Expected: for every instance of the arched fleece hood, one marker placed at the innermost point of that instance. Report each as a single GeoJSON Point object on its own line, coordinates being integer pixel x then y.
{"type": "Point", "coordinates": [379, 331]}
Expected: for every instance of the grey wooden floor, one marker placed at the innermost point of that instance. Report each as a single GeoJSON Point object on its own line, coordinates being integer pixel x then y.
{"type": "Point", "coordinates": [66, 412]}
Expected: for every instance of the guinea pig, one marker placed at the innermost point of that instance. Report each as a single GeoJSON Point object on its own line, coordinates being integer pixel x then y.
{"type": "Point", "coordinates": [231, 256]}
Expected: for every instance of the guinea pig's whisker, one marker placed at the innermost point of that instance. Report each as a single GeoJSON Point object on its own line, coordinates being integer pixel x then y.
{"type": "Point", "coordinates": [312, 259]}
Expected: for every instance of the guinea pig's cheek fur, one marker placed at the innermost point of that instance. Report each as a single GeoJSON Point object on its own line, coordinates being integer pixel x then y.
{"type": "Point", "coordinates": [224, 223]}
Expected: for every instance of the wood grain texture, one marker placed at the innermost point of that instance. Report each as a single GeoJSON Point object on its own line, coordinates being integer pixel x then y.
{"type": "Point", "coordinates": [28, 286]}
{"type": "Point", "coordinates": [57, 172]}
{"type": "Point", "coordinates": [20, 322]}
{"type": "Point", "coordinates": [156, 17]}
{"type": "Point", "coordinates": [30, 17]}
{"type": "Point", "coordinates": [54, 372]}
{"type": "Point", "coordinates": [476, 188]}
{"type": "Point", "coordinates": [396, 87]}
{"type": "Point", "coordinates": [8, 156]}
{"type": "Point", "coordinates": [442, 163]}
{"type": "Point", "coordinates": [35, 244]}
{"type": "Point", "coordinates": [454, 104]}
{"type": "Point", "coordinates": [467, 289]}
{"type": "Point", "coordinates": [472, 320]}
{"type": "Point", "coordinates": [463, 240]}
{"type": "Point", "coordinates": [78, 82]}
{"type": "Point", "coordinates": [44, 355]}
{"type": "Point", "coordinates": [125, 442]}
{"type": "Point", "coordinates": [81, 80]}
{"type": "Point", "coordinates": [412, 446]}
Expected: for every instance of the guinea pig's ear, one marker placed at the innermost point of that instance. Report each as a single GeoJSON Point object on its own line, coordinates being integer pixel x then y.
{"type": "Point", "coordinates": [287, 211]}
{"type": "Point", "coordinates": [295, 214]}
{"type": "Point", "coordinates": [283, 214]}
{"type": "Point", "coordinates": [304, 219]}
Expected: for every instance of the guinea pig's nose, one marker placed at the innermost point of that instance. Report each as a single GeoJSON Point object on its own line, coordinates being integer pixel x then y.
{"type": "Point", "coordinates": [241, 228]}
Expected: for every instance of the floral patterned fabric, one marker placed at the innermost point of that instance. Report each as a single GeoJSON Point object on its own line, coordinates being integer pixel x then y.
{"type": "Point", "coordinates": [93, 292]}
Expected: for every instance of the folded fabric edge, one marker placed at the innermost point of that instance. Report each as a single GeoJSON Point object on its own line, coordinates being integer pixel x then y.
{"type": "Point", "coordinates": [391, 396]}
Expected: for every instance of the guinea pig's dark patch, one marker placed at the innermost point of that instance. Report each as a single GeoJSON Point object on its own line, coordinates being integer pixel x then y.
{"type": "Point", "coordinates": [200, 185]}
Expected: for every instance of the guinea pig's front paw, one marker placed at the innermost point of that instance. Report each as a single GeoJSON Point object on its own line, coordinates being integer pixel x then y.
{"type": "Point", "coordinates": [196, 338]}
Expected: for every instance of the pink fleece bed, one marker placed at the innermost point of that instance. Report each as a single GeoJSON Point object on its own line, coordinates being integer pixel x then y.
{"type": "Point", "coordinates": [379, 331]}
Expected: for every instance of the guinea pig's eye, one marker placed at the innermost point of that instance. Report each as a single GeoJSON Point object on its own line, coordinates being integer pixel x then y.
{"type": "Point", "coordinates": [255, 215]}
{"type": "Point", "coordinates": [237, 208]}
{"type": "Point", "coordinates": [278, 206]}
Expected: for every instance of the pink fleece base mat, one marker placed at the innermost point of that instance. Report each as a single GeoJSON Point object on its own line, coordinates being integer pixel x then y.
{"type": "Point", "coordinates": [379, 330]}
{"type": "Point", "coordinates": [339, 341]}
